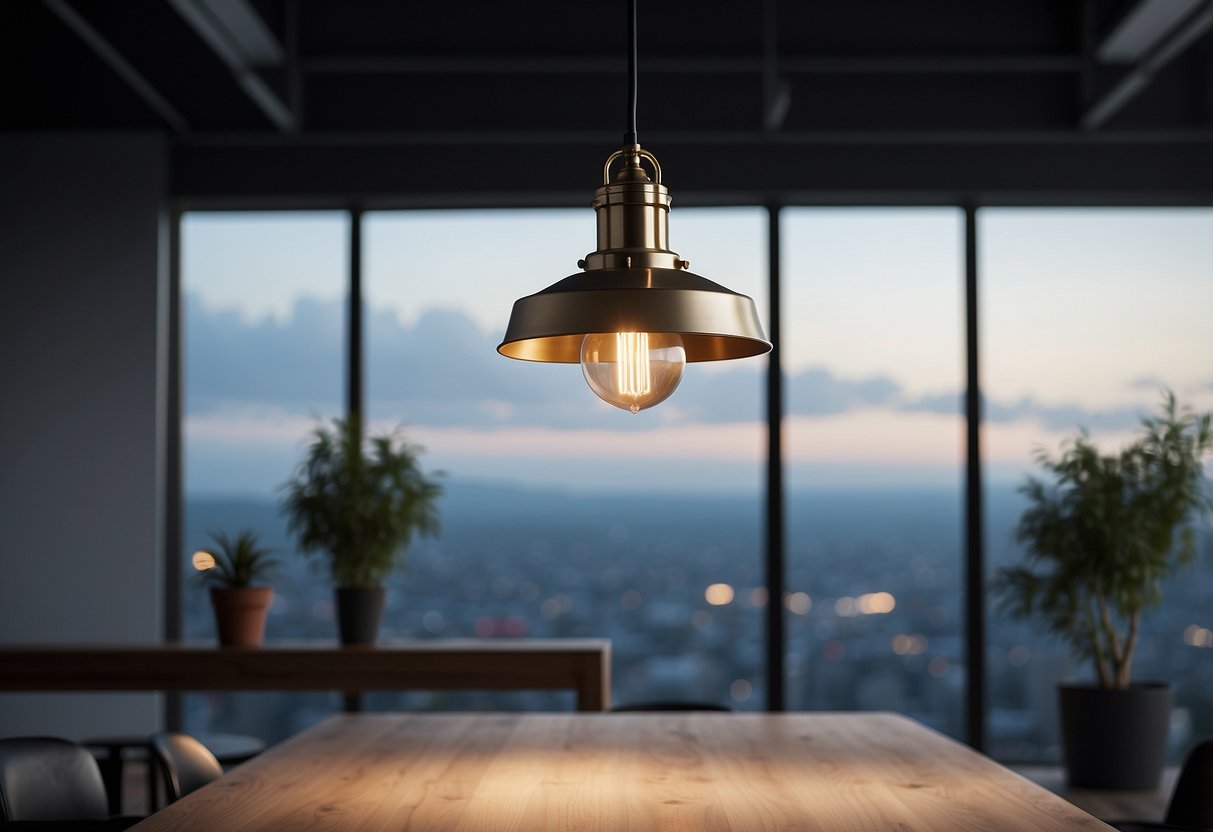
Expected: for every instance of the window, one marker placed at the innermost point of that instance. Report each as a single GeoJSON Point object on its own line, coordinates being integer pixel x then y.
{"type": "Point", "coordinates": [873, 357]}
{"type": "Point", "coordinates": [1086, 314]}
{"type": "Point", "coordinates": [564, 516]}
{"type": "Point", "coordinates": [264, 338]}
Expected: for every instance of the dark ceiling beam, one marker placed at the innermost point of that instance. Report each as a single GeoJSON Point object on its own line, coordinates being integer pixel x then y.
{"type": "Point", "coordinates": [237, 35]}
{"type": "Point", "coordinates": [448, 175]}
{"type": "Point", "coordinates": [1141, 27]}
{"type": "Point", "coordinates": [247, 32]}
{"type": "Point", "coordinates": [1193, 27]}
{"type": "Point", "coordinates": [294, 70]}
{"type": "Point", "coordinates": [121, 67]}
{"type": "Point", "coordinates": [690, 64]}
{"type": "Point", "coordinates": [706, 138]}
{"type": "Point", "coordinates": [776, 91]}
{"type": "Point", "coordinates": [1087, 38]}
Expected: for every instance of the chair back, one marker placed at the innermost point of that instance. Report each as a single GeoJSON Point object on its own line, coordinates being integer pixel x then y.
{"type": "Point", "coordinates": [670, 705]}
{"type": "Point", "coordinates": [186, 763]}
{"type": "Point", "coordinates": [49, 779]}
{"type": "Point", "coordinates": [1192, 800]}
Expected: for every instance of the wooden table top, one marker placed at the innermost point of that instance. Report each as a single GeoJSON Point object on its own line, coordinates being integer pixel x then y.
{"type": "Point", "coordinates": [636, 772]}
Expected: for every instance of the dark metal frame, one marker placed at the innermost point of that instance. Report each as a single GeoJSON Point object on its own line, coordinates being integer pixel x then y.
{"type": "Point", "coordinates": [173, 482]}
{"type": "Point", "coordinates": [355, 371]}
{"type": "Point", "coordinates": [975, 608]}
{"type": "Point", "coordinates": [775, 561]}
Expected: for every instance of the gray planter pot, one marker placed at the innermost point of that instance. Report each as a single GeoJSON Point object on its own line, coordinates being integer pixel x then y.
{"type": "Point", "coordinates": [1115, 739]}
{"type": "Point", "coordinates": [359, 612]}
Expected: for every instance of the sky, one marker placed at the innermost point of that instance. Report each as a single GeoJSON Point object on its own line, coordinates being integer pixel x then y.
{"type": "Point", "coordinates": [1085, 314]}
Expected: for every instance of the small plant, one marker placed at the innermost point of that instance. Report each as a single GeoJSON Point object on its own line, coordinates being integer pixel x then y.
{"type": "Point", "coordinates": [235, 563]}
{"type": "Point", "coordinates": [358, 502]}
{"type": "Point", "coordinates": [1106, 533]}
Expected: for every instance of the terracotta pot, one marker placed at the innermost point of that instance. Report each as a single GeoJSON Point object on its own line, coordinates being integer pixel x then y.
{"type": "Point", "coordinates": [1115, 739]}
{"type": "Point", "coordinates": [240, 614]}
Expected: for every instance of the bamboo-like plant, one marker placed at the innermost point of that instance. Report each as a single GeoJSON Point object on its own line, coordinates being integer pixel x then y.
{"type": "Point", "coordinates": [358, 502]}
{"type": "Point", "coordinates": [235, 562]}
{"type": "Point", "coordinates": [1104, 535]}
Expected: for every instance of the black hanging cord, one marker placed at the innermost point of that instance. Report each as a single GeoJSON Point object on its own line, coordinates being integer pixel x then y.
{"type": "Point", "coordinates": [629, 138]}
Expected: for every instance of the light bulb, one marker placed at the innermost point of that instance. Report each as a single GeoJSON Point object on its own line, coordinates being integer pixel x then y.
{"type": "Point", "coordinates": [633, 370]}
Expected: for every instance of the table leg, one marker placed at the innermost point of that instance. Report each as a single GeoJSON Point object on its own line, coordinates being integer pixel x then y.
{"type": "Point", "coordinates": [594, 684]}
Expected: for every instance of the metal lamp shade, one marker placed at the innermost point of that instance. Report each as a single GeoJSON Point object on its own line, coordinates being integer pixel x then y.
{"type": "Point", "coordinates": [714, 323]}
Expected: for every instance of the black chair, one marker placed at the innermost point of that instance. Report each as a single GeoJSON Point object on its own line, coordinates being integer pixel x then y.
{"type": "Point", "coordinates": [1192, 800]}
{"type": "Point", "coordinates": [231, 749]}
{"type": "Point", "coordinates": [670, 705]}
{"type": "Point", "coordinates": [187, 765]}
{"type": "Point", "coordinates": [51, 783]}
{"type": "Point", "coordinates": [114, 752]}
{"type": "Point", "coordinates": [1191, 806]}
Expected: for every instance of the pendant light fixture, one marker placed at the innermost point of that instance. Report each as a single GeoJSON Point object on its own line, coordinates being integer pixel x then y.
{"type": "Point", "coordinates": [635, 315]}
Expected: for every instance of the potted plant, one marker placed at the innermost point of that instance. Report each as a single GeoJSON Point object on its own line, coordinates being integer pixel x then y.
{"type": "Point", "coordinates": [231, 569]}
{"type": "Point", "coordinates": [357, 502]}
{"type": "Point", "coordinates": [1100, 539]}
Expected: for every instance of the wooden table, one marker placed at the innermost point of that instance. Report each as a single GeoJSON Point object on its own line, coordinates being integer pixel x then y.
{"type": "Point", "coordinates": [580, 665]}
{"type": "Point", "coordinates": [639, 772]}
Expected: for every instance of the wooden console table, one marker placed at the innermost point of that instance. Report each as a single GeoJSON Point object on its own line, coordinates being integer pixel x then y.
{"type": "Point", "coordinates": [580, 665]}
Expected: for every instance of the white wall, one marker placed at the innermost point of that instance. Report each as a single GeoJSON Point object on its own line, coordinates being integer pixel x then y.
{"type": "Point", "coordinates": [82, 266]}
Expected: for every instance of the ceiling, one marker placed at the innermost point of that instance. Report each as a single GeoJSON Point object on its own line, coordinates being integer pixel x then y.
{"type": "Point", "coordinates": [483, 101]}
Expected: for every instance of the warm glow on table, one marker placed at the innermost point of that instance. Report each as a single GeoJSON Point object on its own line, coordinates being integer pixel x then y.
{"type": "Point", "coordinates": [621, 771]}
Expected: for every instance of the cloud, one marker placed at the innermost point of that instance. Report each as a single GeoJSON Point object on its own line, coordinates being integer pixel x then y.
{"type": "Point", "coordinates": [1053, 418]}
{"type": "Point", "coordinates": [443, 371]}
{"type": "Point", "coordinates": [816, 392]}
{"type": "Point", "coordinates": [297, 363]}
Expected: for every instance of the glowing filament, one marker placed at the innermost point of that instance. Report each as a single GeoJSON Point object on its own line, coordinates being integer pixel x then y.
{"type": "Point", "coordinates": [632, 364]}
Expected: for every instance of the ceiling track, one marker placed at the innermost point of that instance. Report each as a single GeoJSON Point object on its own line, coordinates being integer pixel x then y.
{"type": "Point", "coordinates": [477, 138]}
{"type": "Point", "coordinates": [690, 64]}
